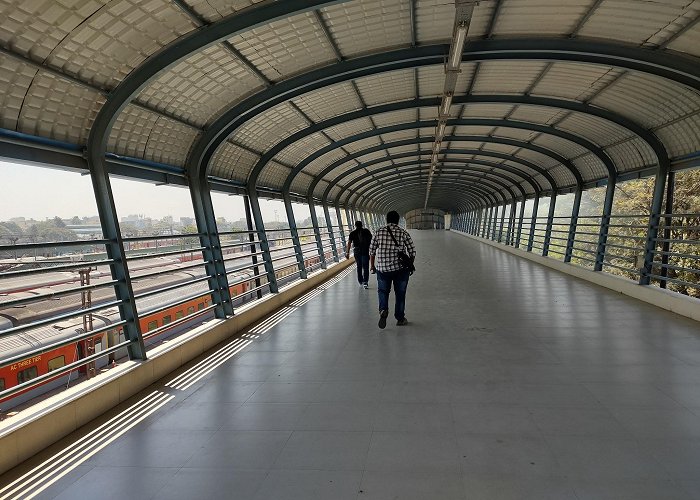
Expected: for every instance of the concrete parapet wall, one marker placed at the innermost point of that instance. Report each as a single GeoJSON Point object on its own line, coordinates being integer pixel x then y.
{"type": "Point", "coordinates": [665, 299]}
{"type": "Point", "coordinates": [38, 427]}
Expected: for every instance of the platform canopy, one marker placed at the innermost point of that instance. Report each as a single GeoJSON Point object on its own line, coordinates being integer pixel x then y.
{"type": "Point", "coordinates": [340, 100]}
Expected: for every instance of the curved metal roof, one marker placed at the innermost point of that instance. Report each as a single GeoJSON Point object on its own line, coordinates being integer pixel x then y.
{"type": "Point", "coordinates": [333, 99]}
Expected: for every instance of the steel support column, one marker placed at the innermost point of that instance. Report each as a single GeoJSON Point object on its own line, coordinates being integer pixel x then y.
{"type": "Point", "coordinates": [294, 232]}
{"type": "Point", "coordinates": [654, 220]}
{"type": "Point", "coordinates": [317, 233]}
{"type": "Point", "coordinates": [253, 245]}
{"type": "Point", "coordinates": [575, 209]}
{"type": "Point", "coordinates": [213, 256]}
{"type": "Point", "coordinates": [550, 223]}
{"type": "Point", "coordinates": [605, 223]}
{"type": "Point", "coordinates": [533, 224]}
{"type": "Point", "coordinates": [341, 227]}
{"type": "Point", "coordinates": [331, 233]}
{"type": "Point", "coordinates": [503, 221]}
{"type": "Point", "coordinates": [670, 189]}
{"type": "Point", "coordinates": [262, 238]}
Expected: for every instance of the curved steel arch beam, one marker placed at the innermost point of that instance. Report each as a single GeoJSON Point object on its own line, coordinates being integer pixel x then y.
{"type": "Point", "coordinates": [680, 69]}
{"type": "Point", "coordinates": [487, 122]}
{"type": "Point", "coordinates": [631, 126]}
{"type": "Point", "coordinates": [463, 202]}
{"type": "Point", "coordinates": [399, 156]}
{"type": "Point", "coordinates": [602, 156]}
{"type": "Point", "coordinates": [390, 171]}
{"type": "Point", "coordinates": [397, 166]}
{"type": "Point", "coordinates": [492, 193]}
{"type": "Point", "coordinates": [418, 176]}
{"type": "Point", "coordinates": [180, 49]}
{"type": "Point", "coordinates": [386, 201]}
{"type": "Point", "coordinates": [458, 138]}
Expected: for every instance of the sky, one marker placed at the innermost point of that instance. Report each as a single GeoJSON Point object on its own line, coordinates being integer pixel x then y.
{"type": "Point", "coordinates": [40, 192]}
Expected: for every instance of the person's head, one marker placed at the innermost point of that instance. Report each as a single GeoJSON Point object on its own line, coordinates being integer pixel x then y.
{"type": "Point", "coordinates": [392, 217]}
{"type": "Point", "coordinates": [358, 224]}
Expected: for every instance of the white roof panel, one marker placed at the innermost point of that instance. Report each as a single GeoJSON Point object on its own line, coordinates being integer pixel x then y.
{"type": "Point", "coordinates": [365, 26]}
{"type": "Point", "coordinates": [387, 87]}
{"type": "Point", "coordinates": [434, 20]}
{"type": "Point", "coordinates": [330, 101]}
{"type": "Point", "coordinates": [169, 142]}
{"type": "Point", "coordinates": [296, 152]}
{"type": "Point", "coordinates": [131, 130]}
{"type": "Point", "coordinates": [233, 162]}
{"type": "Point", "coordinates": [496, 77]}
{"type": "Point", "coordinates": [267, 129]}
{"type": "Point", "coordinates": [213, 10]}
{"type": "Point", "coordinates": [540, 17]}
{"type": "Point", "coordinates": [285, 47]}
{"type": "Point", "coordinates": [346, 129]}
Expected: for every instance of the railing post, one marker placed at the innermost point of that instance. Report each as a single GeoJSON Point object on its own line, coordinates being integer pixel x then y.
{"type": "Point", "coordinates": [123, 290]}
{"type": "Point", "coordinates": [213, 256]}
{"type": "Point", "coordinates": [503, 220]}
{"type": "Point", "coordinates": [317, 233]}
{"type": "Point", "coordinates": [654, 219]}
{"type": "Point", "coordinates": [550, 223]}
{"type": "Point", "coordinates": [299, 253]}
{"type": "Point", "coordinates": [575, 209]}
{"type": "Point", "coordinates": [331, 234]}
{"type": "Point", "coordinates": [494, 221]}
{"type": "Point", "coordinates": [341, 227]}
{"type": "Point", "coordinates": [605, 223]}
{"type": "Point", "coordinates": [533, 223]}
{"type": "Point", "coordinates": [262, 238]}
{"type": "Point", "coordinates": [670, 191]}
{"type": "Point", "coordinates": [521, 217]}
{"type": "Point", "coordinates": [253, 247]}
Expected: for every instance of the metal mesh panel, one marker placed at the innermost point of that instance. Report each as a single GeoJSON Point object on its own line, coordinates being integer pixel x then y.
{"type": "Point", "coordinates": [627, 156]}
{"type": "Point", "coordinates": [326, 160]}
{"type": "Point", "coordinates": [398, 136]}
{"type": "Point", "coordinates": [111, 42]}
{"type": "Point", "coordinates": [428, 113]}
{"type": "Point", "coordinates": [689, 41]}
{"type": "Point", "coordinates": [201, 86]}
{"type": "Point", "coordinates": [59, 109]}
{"type": "Point", "coordinates": [514, 133]}
{"type": "Point", "coordinates": [285, 47]}
{"type": "Point", "coordinates": [295, 153]}
{"type": "Point", "coordinates": [486, 110]}
{"type": "Point", "coordinates": [595, 129]}
{"type": "Point", "coordinates": [651, 101]}
{"type": "Point", "coordinates": [565, 148]}
{"type": "Point", "coordinates": [372, 156]}
{"type": "Point", "coordinates": [682, 137]}
{"type": "Point", "coordinates": [573, 80]}
{"type": "Point", "coordinates": [387, 87]}
{"type": "Point", "coordinates": [270, 127]}
{"type": "Point", "coordinates": [631, 21]}
{"type": "Point", "coordinates": [505, 78]}
{"type": "Point", "coordinates": [232, 162]}
{"type": "Point", "coordinates": [536, 114]}
{"type": "Point", "coordinates": [301, 185]}
{"type": "Point", "coordinates": [395, 117]}
{"type": "Point", "coordinates": [273, 175]}
{"type": "Point", "coordinates": [402, 149]}
{"type": "Point", "coordinates": [328, 102]}
{"type": "Point", "coordinates": [15, 79]}
{"type": "Point", "coordinates": [481, 19]}
{"type": "Point", "coordinates": [431, 79]}
{"type": "Point", "coordinates": [526, 170]}
{"type": "Point", "coordinates": [536, 158]}
{"type": "Point", "coordinates": [562, 176]}
{"type": "Point", "coordinates": [591, 167]}
{"type": "Point", "coordinates": [347, 129]}
{"type": "Point", "coordinates": [434, 19]}
{"type": "Point", "coordinates": [367, 25]}
{"type": "Point", "coordinates": [169, 142]}
{"type": "Point", "coordinates": [472, 130]}
{"type": "Point", "coordinates": [129, 135]}
{"type": "Point", "coordinates": [544, 17]}
{"type": "Point", "coordinates": [363, 144]}
{"type": "Point", "coordinates": [213, 10]}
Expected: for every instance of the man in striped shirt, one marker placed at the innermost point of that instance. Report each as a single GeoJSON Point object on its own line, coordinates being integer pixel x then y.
{"type": "Point", "coordinates": [384, 260]}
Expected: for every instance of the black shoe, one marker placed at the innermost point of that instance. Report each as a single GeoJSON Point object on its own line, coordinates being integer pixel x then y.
{"type": "Point", "coordinates": [402, 322]}
{"type": "Point", "coordinates": [382, 318]}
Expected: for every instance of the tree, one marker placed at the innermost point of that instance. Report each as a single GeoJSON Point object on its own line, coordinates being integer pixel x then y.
{"type": "Point", "coordinates": [58, 222]}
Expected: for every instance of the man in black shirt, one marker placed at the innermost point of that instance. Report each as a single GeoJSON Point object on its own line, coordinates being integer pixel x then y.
{"type": "Point", "coordinates": [360, 239]}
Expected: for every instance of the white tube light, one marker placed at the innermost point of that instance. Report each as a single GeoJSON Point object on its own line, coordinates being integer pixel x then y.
{"type": "Point", "coordinates": [458, 47]}
{"type": "Point", "coordinates": [446, 103]}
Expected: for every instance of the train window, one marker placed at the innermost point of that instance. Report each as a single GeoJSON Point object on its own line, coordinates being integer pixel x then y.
{"type": "Point", "coordinates": [2, 384]}
{"type": "Point", "coordinates": [152, 325]}
{"type": "Point", "coordinates": [200, 306]}
{"type": "Point", "coordinates": [167, 319]}
{"type": "Point", "coordinates": [56, 363]}
{"type": "Point", "coordinates": [190, 310]}
{"type": "Point", "coordinates": [178, 315]}
{"type": "Point", "coordinates": [27, 374]}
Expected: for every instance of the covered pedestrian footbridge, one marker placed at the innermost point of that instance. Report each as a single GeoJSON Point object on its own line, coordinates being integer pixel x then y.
{"type": "Point", "coordinates": [549, 141]}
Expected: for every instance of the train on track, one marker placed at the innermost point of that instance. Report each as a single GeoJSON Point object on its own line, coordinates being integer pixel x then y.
{"type": "Point", "coordinates": [155, 311]}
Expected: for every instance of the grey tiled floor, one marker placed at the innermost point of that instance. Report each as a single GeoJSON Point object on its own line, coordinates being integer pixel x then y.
{"type": "Point", "coordinates": [511, 382]}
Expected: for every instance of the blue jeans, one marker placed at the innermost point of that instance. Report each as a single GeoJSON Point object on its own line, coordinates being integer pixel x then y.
{"type": "Point", "coordinates": [400, 281]}
{"type": "Point", "coordinates": [362, 268]}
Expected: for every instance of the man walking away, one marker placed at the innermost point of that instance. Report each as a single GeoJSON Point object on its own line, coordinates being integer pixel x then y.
{"type": "Point", "coordinates": [360, 239]}
{"type": "Point", "coordinates": [385, 248]}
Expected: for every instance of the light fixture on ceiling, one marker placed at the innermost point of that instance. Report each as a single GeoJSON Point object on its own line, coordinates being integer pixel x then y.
{"type": "Point", "coordinates": [457, 47]}
{"type": "Point", "coordinates": [446, 103]}
{"type": "Point", "coordinates": [440, 132]}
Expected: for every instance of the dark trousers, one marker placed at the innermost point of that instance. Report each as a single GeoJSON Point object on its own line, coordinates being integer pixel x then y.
{"type": "Point", "coordinates": [362, 268]}
{"type": "Point", "coordinates": [400, 281]}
